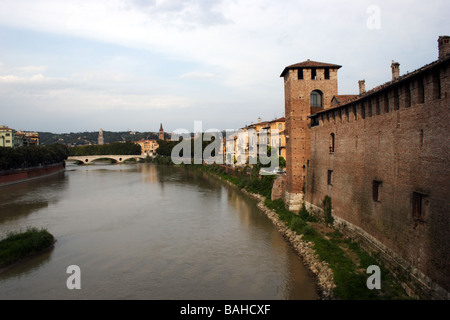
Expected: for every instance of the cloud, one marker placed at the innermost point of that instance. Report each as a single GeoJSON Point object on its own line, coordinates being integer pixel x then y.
{"type": "Point", "coordinates": [239, 47]}
{"type": "Point", "coordinates": [12, 79]}
{"type": "Point", "coordinates": [32, 69]}
{"type": "Point", "coordinates": [197, 75]}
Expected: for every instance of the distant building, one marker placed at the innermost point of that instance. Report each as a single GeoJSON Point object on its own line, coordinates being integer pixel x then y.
{"type": "Point", "coordinates": [26, 138]}
{"type": "Point", "coordinates": [101, 140]}
{"type": "Point", "coordinates": [161, 133]}
{"type": "Point", "coordinates": [244, 144]}
{"type": "Point", "coordinates": [148, 147]}
{"type": "Point", "coordinates": [6, 137]}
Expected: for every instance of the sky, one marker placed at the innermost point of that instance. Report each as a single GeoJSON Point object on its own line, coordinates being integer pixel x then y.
{"type": "Point", "coordinates": [119, 65]}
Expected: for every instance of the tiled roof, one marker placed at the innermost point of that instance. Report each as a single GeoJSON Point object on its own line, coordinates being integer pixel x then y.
{"type": "Point", "coordinates": [310, 64]}
{"type": "Point", "coordinates": [341, 98]}
{"type": "Point", "coordinates": [279, 120]}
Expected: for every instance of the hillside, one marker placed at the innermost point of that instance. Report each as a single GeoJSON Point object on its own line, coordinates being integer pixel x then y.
{"type": "Point", "coordinates": [86, 138]}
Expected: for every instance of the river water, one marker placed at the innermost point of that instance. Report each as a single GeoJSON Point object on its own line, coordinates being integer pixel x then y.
{"type": "Point", "coordinates": [140, 231]}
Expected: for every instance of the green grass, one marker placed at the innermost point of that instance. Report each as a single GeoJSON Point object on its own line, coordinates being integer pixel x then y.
{"type": "Point", "coordinates": [18, 245]}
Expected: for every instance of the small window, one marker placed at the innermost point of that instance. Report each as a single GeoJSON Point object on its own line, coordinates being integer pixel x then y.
{"type": "Point", "coordinates": [330, 177]}
{"type": "Point", "coordinates": [376, 191]}
{"type": "Point", "coordinates": [280, 126]}
{"type": "Point", "coordinates": [327, 73]}
{"type": "Point", "coordinates": [418, 206]}
{"type": "Point", "coordinates": [332, 142]}
{"type": "Point", "coordinates": [300, 74]}
{"type": "Point", "coordinates": [313, 74]}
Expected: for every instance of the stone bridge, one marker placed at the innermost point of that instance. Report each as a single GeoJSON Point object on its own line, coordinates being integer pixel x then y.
{"type": "Point", "coordinates": [116, 158]}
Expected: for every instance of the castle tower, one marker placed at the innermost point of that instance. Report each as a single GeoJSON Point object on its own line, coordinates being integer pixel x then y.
{"type": "Point", "coordinates": [101, 140]}
{"type": "Point", "coordinates": [161, 133]}
{"type": "Point", "coordinates": [309, 87]}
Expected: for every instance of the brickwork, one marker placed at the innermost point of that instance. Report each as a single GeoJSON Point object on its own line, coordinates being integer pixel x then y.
{"type": "Point", "coordinates": [383, 158]}
{"type": "Point", "coordinates": [388, 171]}
{"type": "Point", "coordinates": [298, 89]}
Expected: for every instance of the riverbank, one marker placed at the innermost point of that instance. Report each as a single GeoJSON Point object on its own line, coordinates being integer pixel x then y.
{"type": "Point", "coordinates": [10, 177]}
{"type": "Point", "coordinates": [337, 262]}
{"type": "Point", "coordinates": [19, 246]}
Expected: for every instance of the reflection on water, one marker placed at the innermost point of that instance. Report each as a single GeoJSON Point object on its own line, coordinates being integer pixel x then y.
{"type": "Point", "coordinates": [140, 231]}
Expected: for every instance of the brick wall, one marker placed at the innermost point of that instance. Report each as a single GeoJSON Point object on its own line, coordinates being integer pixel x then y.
{"type": "Point", "coordinates": [392, 151]}
{"type": "Point", "coordinates": [297, 110]}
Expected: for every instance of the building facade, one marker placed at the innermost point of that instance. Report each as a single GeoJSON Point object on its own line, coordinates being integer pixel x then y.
{"type": "Point", "coordinates": [148, 147]}
{"type": "Point", "coordinates": [6, 137]}
{"type": "Point", "coordinates": [13, 139]}
{"type": "Point", "coordinates": [383, 158]}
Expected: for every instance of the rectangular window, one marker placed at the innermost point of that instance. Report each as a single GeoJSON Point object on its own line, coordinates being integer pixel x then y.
{"type": "Point", "coordinates": [363, 110]}
{"type": "Point", "coordinates": [376, 190]}
{"type": "Point", "coordinates": [313, 74]}
{"type": "Point", "coordinates": [327, 73]}
{"type": "Point", "coordinates": [300, 74]}
{"type": "Point", "coordinates": [418, 201]}
{"type": "Point", "coordinates": [330, 177]}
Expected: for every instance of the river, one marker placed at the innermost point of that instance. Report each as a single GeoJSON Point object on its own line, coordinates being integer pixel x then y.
{"type": "Point", "coordinates": [141, 231]}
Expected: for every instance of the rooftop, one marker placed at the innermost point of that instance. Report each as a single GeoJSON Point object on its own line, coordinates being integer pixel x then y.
{"type": "Point", "coordinates": [310, 64]}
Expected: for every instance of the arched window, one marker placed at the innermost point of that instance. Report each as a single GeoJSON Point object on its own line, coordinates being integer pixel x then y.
{"type": "Point", "coordinates": [316, 98]}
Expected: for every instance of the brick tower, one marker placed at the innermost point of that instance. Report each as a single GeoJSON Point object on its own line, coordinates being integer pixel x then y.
{"type": "Point", "coordinates": [161, 133]}
{"type": "Point", "coordinates": [309, 87]}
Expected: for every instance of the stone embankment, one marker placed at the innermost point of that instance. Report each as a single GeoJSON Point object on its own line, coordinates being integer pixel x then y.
{"type": "Point", "coordinates": [304, 249]}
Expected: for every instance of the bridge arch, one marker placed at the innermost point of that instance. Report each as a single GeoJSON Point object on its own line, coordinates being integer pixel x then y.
{"type": "Point", "coordinates": [116, 158]}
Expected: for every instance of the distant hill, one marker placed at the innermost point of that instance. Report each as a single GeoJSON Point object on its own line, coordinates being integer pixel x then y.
{"type": "Point", "coordinates": [86, 138]}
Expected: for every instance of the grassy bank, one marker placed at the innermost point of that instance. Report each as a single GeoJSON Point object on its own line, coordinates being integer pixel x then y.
{"type": "Point", "coordinates": [344, 256]}
{"type": "Point", "coordinates": [19, 245]}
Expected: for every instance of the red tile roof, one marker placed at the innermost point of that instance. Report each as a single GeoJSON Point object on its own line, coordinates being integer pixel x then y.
{"type": "Point", "coordinates": [341, 98]}
{"type": "Point", "coordinates": [310, 64]}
